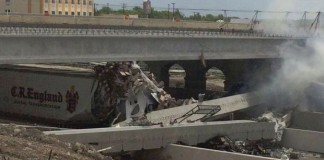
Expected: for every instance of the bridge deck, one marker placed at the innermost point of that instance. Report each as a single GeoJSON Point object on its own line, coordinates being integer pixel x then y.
{"type": "Point", "coordinates": [127, 47]}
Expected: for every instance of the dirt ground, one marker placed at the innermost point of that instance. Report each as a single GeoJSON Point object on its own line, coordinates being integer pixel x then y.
{"type": "Point", "coordinates": [18, 143]}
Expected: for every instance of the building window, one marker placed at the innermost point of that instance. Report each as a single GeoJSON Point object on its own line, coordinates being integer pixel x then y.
{"type": "Point", "coordinates": [84, 2]}
{"type": "Point", "coordinates": [53, 12]}
{"type": "Point", "coordinates": [46, 1]}
{"type": "Point", "coordinates": [84, 13]}
{"type": "Point", "coordinates": [66, 1]}
{"type": "Point", "coordinates": [79, 1]}
{"type": "Point", "coordinates": [79, 14]}
{"type": "Point", "coordinates": [90, 13]}
{"type": "Point", "coordinates": [72, 13]}
{"type": "Point", "coordinates": [66, 13]}
{"type": "Point", "coordinates": [72, 1]}
{"type": "Point", "coordinates": [53, 1]}
{"type": "Point", "coordinates": [90, 2]}
{"type": "Point", "coordinates": [7, 2]}
{"type": "Point", "coordinates": [60, 1]}
{"type": "Point", "coordinates": [7, 10]}
{"type": "Point", "coordinates": [60, 12]}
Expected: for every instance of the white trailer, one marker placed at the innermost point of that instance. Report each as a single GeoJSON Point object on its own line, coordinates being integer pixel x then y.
{"type": "Point", "coordinates": [48, 92]}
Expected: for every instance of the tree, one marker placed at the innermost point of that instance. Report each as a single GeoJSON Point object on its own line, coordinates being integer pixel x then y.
{"type": "Point", "coordinates": [139, 11]}
{"type": "Point", "coordinates": [196, 16]}
{"type": "Point", "coordinates": [178, 14]}
{"type": "Point", "coordinates": [163, 14]}
{"type": "Point", "coordinates": [159, 14]}
{"type": "Point", "coordinates": [104, 10]}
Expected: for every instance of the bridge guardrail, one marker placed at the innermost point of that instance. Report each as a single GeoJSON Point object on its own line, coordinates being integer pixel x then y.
{"type": "Point", "coordinates": [38, 31]}
{"type": "Point", "coordinates": [112, 21]}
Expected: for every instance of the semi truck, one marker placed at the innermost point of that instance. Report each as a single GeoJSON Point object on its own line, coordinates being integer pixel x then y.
{"type": "Point", "coordinates": [52, 94]}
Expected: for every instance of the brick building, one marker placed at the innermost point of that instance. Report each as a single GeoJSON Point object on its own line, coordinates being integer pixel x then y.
{"type": "Point", "coordinates": [50, 7]}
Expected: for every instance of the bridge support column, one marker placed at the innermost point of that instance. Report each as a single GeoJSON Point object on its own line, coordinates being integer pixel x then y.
{"type": "Point", "coordinates": [250, 74]}
{"type": "Point", "coordinates": [160, 70]}
{"type": "Point", "coordinates": [195, 80]}
{"type": "Point", "coordinates": [261, 72]}
{"type": "Point", "coordinates": [234, 72]}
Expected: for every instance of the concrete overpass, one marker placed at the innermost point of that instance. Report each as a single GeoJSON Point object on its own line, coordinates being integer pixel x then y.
{"type": "Point", "coordinates": [40, 45]}
{"type": "Point", "coordinates": [243, 57]}
{"type": "Point", "coordinates": [113, 20]}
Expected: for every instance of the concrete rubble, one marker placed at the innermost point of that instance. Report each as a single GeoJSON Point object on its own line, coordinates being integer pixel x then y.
{"type": "Point", "coordinates": [272, 148]}
{"type": "Point", "coordinates": [129, 81]}
{"type": "Point", "coordinates": [120, 81]}
{"type": "Point", "coordinates": [262, 147]}
{"type": "Point", "coordinates": [127, 94]}
{"type": "Point", "coordinates": [281, 122]}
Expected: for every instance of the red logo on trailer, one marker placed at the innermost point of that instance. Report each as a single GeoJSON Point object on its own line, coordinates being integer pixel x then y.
{"type": "Point", "coordinates": [72, 99]}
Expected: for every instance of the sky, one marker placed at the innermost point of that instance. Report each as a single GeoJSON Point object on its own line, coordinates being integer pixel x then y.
{"type": "Point", "coordinates": [289, 5]}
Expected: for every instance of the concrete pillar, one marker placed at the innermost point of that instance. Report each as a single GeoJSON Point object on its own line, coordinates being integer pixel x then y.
{"type": "Point", "coordinates": [260, 72]}
{"type": "Point", "coordinates": [195, 80]}
{"type": "Point", "coordinates": [247, 75]}
{"type": "Point", "coordinates": [160, 70]}
{"type": "Point", "coordinates": [234, 71]}
{"type": "Point", "coordinates": [241, 75]}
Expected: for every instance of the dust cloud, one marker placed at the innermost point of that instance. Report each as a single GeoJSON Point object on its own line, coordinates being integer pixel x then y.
{"type": "Point", "coordinates": [281, 17]}
{"type": "Point", "coordinates": [302, 64]}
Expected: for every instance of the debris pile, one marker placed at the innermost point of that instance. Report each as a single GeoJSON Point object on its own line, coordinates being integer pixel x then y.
{"type": "Point", "coordinates": [125, 80]}
{"type": "Point", "coordinates": [224, 143]}
{"type": "Point", "coordinates": [263, 147]}
{"type": "Point", "coordinates": [113, 81]}
{"type": "Point", "coordinates": [280, 122]}
{"type": "Point", "coordinates": [149, 84]}
{"type": "Point", "coordinates": [20, 143]}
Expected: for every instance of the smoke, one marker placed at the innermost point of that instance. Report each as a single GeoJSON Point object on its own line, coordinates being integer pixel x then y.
{"type": "Point", "coordinates": [284, 21]}
{"type": "Point", "coordinates": [300, 67]}
{"type": "Point", "coordinates": [301, 64]}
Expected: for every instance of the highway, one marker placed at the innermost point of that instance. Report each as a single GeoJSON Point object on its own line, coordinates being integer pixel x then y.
{"type": "Point", "coordinates": [56, 45]}
{"type": "Point", "coordinates": [45, 31]}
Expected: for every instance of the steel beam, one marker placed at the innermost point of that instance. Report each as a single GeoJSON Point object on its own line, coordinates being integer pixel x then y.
{"type": "Point", "coordinates": [55, 49]}
{"type": "Point", "coordinates": [153, 137]}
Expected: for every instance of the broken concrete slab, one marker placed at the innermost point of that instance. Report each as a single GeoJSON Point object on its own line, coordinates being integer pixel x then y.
{"type": "Point", "coordinates": [227, 104]}
{"type": "Point", "coordinates": [303, 140]}
{"type": "Point", "coordinates": [312, 121]}
{"type": "Point", "coordinates": [180, 152]}
{"type": "Point", "coordinates": [152, 137]}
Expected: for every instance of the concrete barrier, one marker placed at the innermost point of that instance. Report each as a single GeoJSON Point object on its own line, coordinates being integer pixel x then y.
{"type": "Point", "coordinates": [179, 152]}
{"type": "Point", "coordinates": [303, 140]}
{"type": "Point", "coordinates": [312, 121]}
{"type": "Point", "coordinates": [110, 21]}
{"type": "Point", "coordinates": [153, 137]}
